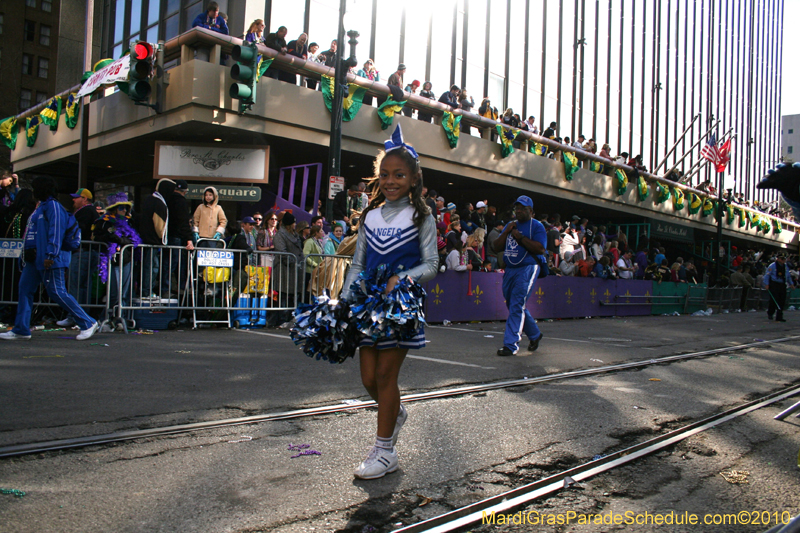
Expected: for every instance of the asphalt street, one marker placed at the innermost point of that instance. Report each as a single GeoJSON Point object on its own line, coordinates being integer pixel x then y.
{"type": "Point", "coordinates": [452, 451]}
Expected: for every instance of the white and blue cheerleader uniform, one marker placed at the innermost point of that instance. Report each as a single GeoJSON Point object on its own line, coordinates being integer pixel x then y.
{"type": "Point", "coordinates": [522, 269]}
{"type": "Point", "coordinates": [388, 236]}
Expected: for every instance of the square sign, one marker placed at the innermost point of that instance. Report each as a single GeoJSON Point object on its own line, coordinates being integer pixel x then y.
{"type": "Point", "coordinates": [214, 258]}
{"type": "Point", "coordinates": [10, 248]}
{"type": "Point", "coordinates": [336, 185]}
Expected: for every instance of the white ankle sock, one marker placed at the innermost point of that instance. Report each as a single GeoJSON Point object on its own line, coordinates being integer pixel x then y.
{"type": "Point", "coordinates": [386, 443]}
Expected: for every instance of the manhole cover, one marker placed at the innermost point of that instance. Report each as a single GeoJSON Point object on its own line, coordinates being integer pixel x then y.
{"type": "Point", "coordinates": [608, 339]}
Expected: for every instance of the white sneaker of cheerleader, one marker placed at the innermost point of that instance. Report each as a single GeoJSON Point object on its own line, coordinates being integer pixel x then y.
{"type": "Point", "coordinates": [378, 463]}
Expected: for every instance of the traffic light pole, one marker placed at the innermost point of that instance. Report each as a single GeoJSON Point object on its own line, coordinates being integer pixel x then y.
{"type": "Point", "coordinates": [335, 145]}
{"type": "Point", "coordinates": [83, 162]}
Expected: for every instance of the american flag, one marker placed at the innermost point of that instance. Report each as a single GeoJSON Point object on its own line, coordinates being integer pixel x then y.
{"type": "Point", "coordinates": [710, 151]}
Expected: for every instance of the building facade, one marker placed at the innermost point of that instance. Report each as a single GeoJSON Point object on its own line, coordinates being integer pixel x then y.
{"type": "Point", "coordinates": [630, 73]}
{"type": "Point", "coordinates": [790, 138]}
{"type": "Point", "coordinates": [41, 52]}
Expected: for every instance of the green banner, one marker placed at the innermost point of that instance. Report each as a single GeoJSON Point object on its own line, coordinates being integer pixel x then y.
{"type": "Point", "coordinates": [72, 110]}
{"type": "Point", "coordinates": [644, 192]}
{"type": "Point", "coordinates": [663, 193]}
{"type": "Point", "coordinates": [695, 203]}
{"type": "Point", "coordinates": [570, 165]}
{"type": "Point", "coordinates": [677, 199]}
{"type": "Point", "coordinates": [507, 139]}
{"type": "Point", "coordinates": [49, 115]}
{"type": "Point", "coordinates": [622, 181]}
{"type": "Point", "coordinates": [452, 127]}
{"type": "Point", "coordinates": [388, 110]}
{"type": "Point", "coordinates": [32, 129]}
{"type": "Point", "coordinates": [8, 130]}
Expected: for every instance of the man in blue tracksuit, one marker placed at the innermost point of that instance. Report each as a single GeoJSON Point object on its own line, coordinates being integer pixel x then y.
{"type": "Point", "coordinates": [45, 262]}
{"type": "Point", "coordinates": [525, 241]}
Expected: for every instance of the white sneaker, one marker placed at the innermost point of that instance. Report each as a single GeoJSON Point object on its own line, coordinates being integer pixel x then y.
{"type": "Point", "coordinates": [66, 323]}
{"type": "Point", "coordinates": [378, 463]}
{"type": "Point", "coordinates": [402, 416]}
{"type": "Point", "coordinates": [11, 336]}
{"type": "Point", "coordinates": [87, 333]}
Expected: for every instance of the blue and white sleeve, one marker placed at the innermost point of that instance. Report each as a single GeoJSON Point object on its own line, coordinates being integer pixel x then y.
{"type": "Point", "coordinates": [429, 266]}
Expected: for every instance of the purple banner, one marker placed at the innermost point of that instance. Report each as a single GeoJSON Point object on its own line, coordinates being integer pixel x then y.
{"type": "Point", "coordinates": [463, 297]}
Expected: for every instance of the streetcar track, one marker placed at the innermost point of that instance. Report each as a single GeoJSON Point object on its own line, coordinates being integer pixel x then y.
{"type": "Point", "coordinates": [354, 405]}
{"type": "Point", "coordinates": [524, 495]}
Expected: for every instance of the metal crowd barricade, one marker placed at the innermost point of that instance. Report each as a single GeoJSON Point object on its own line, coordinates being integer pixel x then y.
{"type": "Point", "coordinates": [82, 280]}
{"type": "Point", "coordinates": [725, 298]}
{"type": "Point", "coordinates": [218, 285]}
{"type": "Point", "coordinates": [155, 290]}
{"type": "Point", "coordinates": [330, 273]}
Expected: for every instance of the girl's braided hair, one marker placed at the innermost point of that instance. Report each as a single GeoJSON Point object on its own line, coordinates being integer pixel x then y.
{"type": "Point", "coordinates": [421, 209]}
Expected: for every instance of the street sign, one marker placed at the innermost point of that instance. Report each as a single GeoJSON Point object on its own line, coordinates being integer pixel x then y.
{"type": "Point", "coordinates": [336, 185]}
{"type": "Point", "coordinates": [214, 258]}
{"type": "Point", "coordinates": [10, 247]}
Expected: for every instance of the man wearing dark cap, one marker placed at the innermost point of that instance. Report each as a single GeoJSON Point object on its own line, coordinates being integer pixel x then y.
{"type": "Point", "coordinates": [525, 242]}
{"type": "Point", "coordinates": [179, 233]}
{"type": "Point", "coordinates": [777, 281]}
{"type": "Point", "coordinates": [83, 261]}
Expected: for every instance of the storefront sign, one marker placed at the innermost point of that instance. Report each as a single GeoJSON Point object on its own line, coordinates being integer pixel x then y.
{"type": "Point", "coordinates": [227, 193]}
{"type": "Point", "coordinates": [673, 232]}
{"type": "Point", "coordinates": [212, 162]}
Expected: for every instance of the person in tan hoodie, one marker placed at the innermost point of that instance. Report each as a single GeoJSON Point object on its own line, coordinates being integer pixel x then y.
{"type": "Point", "coordinates": [209, 219]}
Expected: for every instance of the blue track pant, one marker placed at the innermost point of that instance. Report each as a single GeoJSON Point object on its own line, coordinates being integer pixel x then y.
{"type": "Point", "coordinates": [53, 280]}
{"type": "Point", "coordinates": [517, 287]}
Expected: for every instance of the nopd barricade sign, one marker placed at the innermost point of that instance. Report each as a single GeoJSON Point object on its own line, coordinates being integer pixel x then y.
{"type": "Point", "coordinates": [214, 258]}
{"type": "Point", "coordinates": [10, 248]}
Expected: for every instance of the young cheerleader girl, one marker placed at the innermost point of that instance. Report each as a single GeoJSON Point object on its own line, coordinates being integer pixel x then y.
{"type": "Point", "coordinates": [397, 231]}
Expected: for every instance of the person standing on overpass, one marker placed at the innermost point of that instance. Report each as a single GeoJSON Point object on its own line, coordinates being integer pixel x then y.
{"type": "Point", "coordinates": [525, 241]}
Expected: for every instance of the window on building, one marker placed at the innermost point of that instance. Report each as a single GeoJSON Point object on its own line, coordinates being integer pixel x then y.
{"type": "Point", "coordinates": [27, 64]}
{"type": "Point", "coordinates": [44, 35]}
{"type": "Point", "coordinates": [41, 97]}
{"type": "Point", "coordinates": [30, 3]}
{"type": "Point", "coordinates": [44, 66]}
{"type": "Point", "coordinates": [24, 99]}
{"type": "Point", "coordinates": [29, 30]}
{"type": "Point", "coordinates": [47, 6]}
{"type": "Point", "coordinates": [791, 131]}
{"type": "Point", "coordinates": [789, 149]}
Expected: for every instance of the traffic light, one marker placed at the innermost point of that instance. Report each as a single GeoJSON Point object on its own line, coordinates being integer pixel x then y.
{"type": "Point", "coordinates": [245, 71]}
{"type": "Point", "coordinates": [142, 69]}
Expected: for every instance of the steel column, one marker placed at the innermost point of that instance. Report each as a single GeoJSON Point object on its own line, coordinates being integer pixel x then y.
{"type": "Point", "coordinates": [560, 50]}
{"type": "Point", "coordinates": [544, 62]}
{"type": "Point", "coordinates": [488, 44]}
{"type": "Point", "coordinates": [526, 58]}
{"type": "Point", "coordinates": [575, 46]}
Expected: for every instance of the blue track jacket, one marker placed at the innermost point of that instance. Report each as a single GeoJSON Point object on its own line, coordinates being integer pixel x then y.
{"type": "Point", "coordinates": [45, 232]}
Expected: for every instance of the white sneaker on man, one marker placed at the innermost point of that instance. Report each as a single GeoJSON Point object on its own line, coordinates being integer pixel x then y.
{"type": "Point", "coordinates": [11, 336]}
{"type": "Point", "coordinates": [66, 323]}
{"type": "Point", "coordinates": [402, 416]}
{"type": "Point", "coordinates": [87, 333]}
{"type": "Point", "coordinates": [378, 463]}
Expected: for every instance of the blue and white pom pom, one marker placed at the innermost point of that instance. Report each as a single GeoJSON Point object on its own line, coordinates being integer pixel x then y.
{"type": "Point", "coordinates": [323, 329]}
{"type": "Point", "coordinates": [377, 315]}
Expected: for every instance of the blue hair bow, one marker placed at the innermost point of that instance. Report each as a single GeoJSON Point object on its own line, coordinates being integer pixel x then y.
{"type": "Point", "coordinates": [397, 142]}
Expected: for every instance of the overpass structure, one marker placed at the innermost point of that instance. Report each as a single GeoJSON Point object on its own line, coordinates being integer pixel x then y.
{"type": "Point", "coordinates": [295, 124]}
